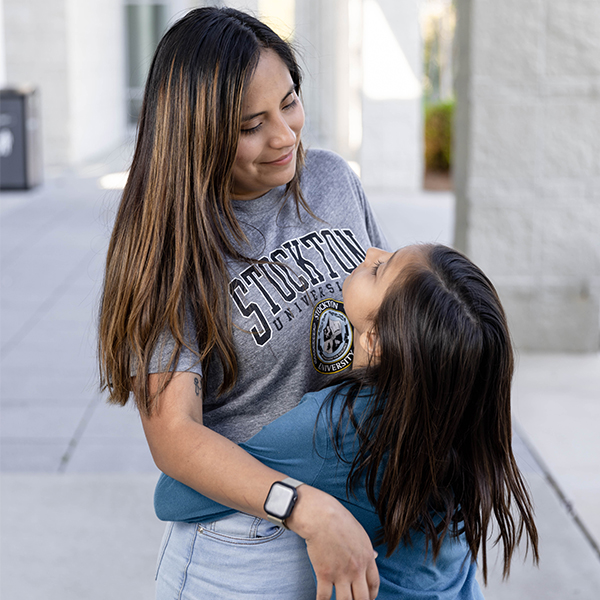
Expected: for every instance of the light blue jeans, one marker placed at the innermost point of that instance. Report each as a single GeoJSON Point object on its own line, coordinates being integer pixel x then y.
{"type": "Point", "coordinates": [240, 556]}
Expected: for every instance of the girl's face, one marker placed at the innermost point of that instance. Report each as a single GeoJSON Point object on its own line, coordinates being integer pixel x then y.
{"type": "Point", "coordinates": [272, 119]}
{"type": "Point", "coordinates": [366, 287]}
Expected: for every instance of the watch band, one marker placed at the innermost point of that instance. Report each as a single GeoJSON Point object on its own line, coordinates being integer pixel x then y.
{"type": "Point", "coordinates": [293, 482]}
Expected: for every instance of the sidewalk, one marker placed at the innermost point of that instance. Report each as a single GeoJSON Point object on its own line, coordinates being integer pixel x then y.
{"type": "Point", "coordinates": [77, 477]}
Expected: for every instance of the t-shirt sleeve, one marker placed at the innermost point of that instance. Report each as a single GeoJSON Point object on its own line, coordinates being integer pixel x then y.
{"type": "Point", "coordinates": [163, 350]}
{"type": "Point", "coordinates": [161, 355]}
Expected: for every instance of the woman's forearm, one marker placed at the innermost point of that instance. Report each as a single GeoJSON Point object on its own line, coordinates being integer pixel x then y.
{"type": "Point", "coordinates": [214, 466]}
{"type": "Point", "coordinates": [186, 450]}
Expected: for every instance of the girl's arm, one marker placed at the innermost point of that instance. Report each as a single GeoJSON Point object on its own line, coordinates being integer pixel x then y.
{"type": "Point", "coordinates": [183, 448]}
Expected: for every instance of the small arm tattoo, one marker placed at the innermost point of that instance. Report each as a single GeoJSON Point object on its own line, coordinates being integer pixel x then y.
{"type": "Point", "coordinates": [197, 386]}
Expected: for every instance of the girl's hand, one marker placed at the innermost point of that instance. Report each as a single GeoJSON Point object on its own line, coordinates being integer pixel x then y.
{"type": "Point", "coordinates": [340, 550]}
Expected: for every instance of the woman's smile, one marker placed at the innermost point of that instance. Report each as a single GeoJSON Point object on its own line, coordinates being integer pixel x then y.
{"type": "Point", "coordinates": [283, 160]}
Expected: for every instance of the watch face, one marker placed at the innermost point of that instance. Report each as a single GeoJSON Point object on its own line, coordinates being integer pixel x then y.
{"type": "Point", "coordinates": [279, 501]}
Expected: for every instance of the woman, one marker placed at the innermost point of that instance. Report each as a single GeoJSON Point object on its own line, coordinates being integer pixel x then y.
{"type": "Point", "coordinates": [222, 299]}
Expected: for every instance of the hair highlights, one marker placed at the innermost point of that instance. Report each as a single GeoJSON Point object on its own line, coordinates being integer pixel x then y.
{"type": "Point", "coordinates": [175, 226]}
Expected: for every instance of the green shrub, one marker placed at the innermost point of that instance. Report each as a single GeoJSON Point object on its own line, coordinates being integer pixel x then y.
{"type": "Point", "coordinates": [438, 136]}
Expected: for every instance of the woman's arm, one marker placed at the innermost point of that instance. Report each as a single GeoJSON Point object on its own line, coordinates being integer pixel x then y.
{"type": "Point", "coordinates": [183, 448]}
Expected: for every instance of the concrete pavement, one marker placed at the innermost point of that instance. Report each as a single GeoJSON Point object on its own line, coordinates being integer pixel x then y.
{"type": "Point", "coordinates": [77, 477]}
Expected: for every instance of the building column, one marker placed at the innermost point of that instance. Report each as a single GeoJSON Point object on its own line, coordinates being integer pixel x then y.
{"type": "Point", "coordinates": [363, 93]}
{"type": "Point", "coordinates": [72, 52]}
{"type": "Point", "coordinates": [326, 41]}
{"type": "Point", "coordinates": [527, 166]}
{"type": "Point", "coordinates": [392, 128]}
{"type": "Point", "coordinates": [3, 80]}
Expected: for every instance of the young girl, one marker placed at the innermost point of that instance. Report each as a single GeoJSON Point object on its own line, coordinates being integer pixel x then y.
{"type": "Point", "coordinates": [415, 441]}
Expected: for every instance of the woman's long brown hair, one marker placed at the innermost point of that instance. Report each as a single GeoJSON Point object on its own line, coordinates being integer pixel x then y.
{"type": "Point", "coordinates": [435, 443]}
{"type": "Point", "coordinates": [175, 226]}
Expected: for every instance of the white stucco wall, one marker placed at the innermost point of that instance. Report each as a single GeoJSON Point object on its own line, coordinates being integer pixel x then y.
{"type": "Point", "coordinates": [528, 163]}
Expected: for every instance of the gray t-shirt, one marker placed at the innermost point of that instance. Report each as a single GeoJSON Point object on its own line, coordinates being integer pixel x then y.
{"type": "Point", "coordinates": [290, 329]}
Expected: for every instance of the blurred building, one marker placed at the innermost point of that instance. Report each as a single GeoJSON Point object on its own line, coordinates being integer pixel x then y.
{"type": "Point", "coordinates": [89, 61]}
{"type": "Point", "coordinates": [73, 52]}
{"type": "Point", "coordinates": [527, 168]}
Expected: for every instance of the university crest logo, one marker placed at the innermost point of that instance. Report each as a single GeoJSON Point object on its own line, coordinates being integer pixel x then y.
{"type": "Point", "coordinates": [330, 337]}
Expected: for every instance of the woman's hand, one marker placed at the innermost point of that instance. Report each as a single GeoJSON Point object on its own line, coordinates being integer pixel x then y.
{"type": "Point", "coordinates": [340, 550]}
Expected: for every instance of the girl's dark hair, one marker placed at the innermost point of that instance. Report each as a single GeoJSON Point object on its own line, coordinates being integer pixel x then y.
{"type": "Point", "coordinates": [175, 226]}
{"type": "Point", "coordinates": [435, 442]}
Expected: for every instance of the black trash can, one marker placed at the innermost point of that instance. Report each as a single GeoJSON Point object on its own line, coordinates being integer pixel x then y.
{"type": "Point", "coordinates": [20, 139]}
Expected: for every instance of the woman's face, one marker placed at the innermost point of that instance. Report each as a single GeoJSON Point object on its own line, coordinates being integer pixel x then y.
{"type": "Point", "coordinates": [272, 119]}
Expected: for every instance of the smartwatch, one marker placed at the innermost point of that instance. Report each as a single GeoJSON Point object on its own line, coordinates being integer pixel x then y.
{"type": "Point", "coordinates": [281, 500]}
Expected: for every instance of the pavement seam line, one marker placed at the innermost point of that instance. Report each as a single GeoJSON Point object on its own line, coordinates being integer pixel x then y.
{"type": "Point", "coordinates": [79, 431]}
{"type": "Point", "coordinates": [562, 497]}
